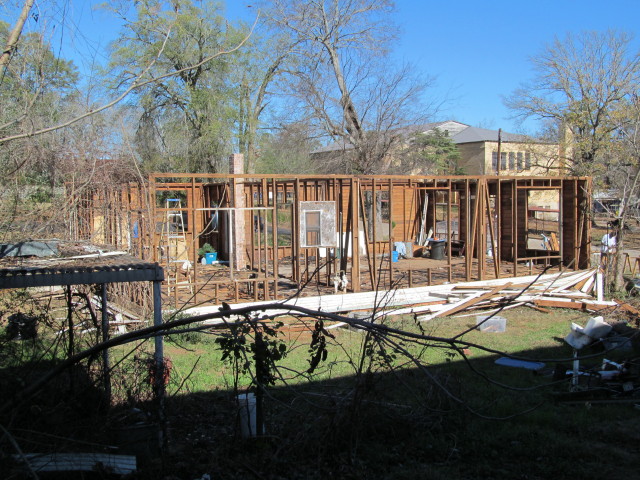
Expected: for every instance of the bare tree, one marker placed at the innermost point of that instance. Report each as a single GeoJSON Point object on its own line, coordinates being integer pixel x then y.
{"type": "Point", "coordinates": [581, 83]}
{"type": "Point", "coordinates": [261, 64]}
{"type": "Point", "coordinates": [14, 36]}
{"type": "Point", "coordinates": [587, 85]}
{"type": "Point", "coordinates": [343, 80]}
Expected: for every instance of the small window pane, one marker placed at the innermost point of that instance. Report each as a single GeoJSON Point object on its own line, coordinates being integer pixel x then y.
{"type": "Point", "coordinates": [312, 224]}
{"type": "Point", "coordinates": [313, 220]}
{"type": "Point", "coordinates": [313, 238]}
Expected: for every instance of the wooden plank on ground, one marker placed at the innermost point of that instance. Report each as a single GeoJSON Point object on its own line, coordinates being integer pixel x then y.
{"type": "Point", "coordinates": [625, 307]}
{"type": "Point", "coordinates": [469, 302]}
{"type": "Point", "coordinates": [573, 281]}
{"type": "Point", "coordinates": [575, 305]}
{"type": "Point", "coordinates": [539, 309]}
{"type": "Point", "coordinates": [588, 286]}
{"type": "Point", "coordinates": [431, 295]}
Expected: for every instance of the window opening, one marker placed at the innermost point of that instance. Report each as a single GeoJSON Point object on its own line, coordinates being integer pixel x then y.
{"type": "Point", "coordinates": [312, 228]}
{"type": "Point", "coordinates": [503, 160]}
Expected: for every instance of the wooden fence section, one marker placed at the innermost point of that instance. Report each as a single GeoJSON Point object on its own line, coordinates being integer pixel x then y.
{"type": "Point", "coordinates": [276, 234]}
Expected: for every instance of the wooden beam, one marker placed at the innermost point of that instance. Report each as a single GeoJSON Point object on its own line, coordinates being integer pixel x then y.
{"type": "Point", "coordinates": [471, 301]}
{"type": "Point", "coordinates": [374, 220]}
{"type": "Point", "coordinates": [274, 238]}
{"type": "Point", "coordinates": [575, 304]}
{"type": "Point", "coordinates": [356, 283]}
{"type": "Point", "coordinates": [365, 224]}
{"type": "Point", "coordinates": [496, 267]}
{"type": "Point", "coordinates": [295, 233]}
{"type": "Point", "coordinates": [514, 226]}
{"type": "Point", "coordinates": [390, 232]}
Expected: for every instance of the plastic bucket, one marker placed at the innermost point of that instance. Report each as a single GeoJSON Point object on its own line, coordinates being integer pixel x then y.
{"type": "Point", "coordinates": [210, 257]}
{"type": "Point", "coordinates": [247, 406]}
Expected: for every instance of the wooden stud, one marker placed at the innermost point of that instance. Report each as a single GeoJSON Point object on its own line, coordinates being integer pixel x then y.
{"type": "Point", "coordinates": [498, 253]}
{"type": "Point", "coordinates": [374, 222]}
{"type": "Point", "coordinates": [514, 226]}
{"type": "Point", "coordinates": [390, 206]}
{"type": "Point", "coordinates": [195, 225]}
{"type": "Point", "coordinates": [274, 238]}
{"type": "Point", "coordinates": [295, 234]}
{"type": "Point", "coordinates": [365, 225]}
{"type": "Point", "coordinates": [496, 267]}
{"type": "Point", "coordinates": [355, 248]}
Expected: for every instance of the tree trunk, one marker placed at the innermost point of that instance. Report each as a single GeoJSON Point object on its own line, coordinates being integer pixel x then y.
{"type": "Point", "coordinates": [14, 36]}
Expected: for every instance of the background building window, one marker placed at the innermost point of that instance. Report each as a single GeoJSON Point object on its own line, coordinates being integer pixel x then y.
{"type": "Point", "coordinates": [503, 160]}
{"type": "Point", "coordinates": [512, 161]}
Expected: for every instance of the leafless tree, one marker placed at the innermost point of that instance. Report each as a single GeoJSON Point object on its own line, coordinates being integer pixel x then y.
{"type": "Point", "coordinates": [581, 82]}
{"type": "Point", "coordinates": [343, 78]}
{"type": "Point", "coordinates": [11, 43]}
{"type": "Point", "coordinates": [586, 85]}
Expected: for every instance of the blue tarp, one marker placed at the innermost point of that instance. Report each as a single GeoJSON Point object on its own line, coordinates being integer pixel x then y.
{"type": "Point", "coordinates": [29, 249]}
{"type": "Point", "coordinates": [401, 248]}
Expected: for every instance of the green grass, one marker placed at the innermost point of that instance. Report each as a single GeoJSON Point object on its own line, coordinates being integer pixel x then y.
{"type": "Point", "coordinates": [449, 419]}
{"type": "Point", "coordinates": [529, 333]}
{"type": "Point", "coordinates": [402, 424]}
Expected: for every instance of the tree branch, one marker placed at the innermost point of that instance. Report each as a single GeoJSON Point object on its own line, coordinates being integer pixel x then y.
{"type": "Point", "coordinates": [135, 86]}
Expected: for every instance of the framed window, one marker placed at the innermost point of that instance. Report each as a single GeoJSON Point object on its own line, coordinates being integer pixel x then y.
{"type": "Point", "coordinates": [520, 161]}
{"type": "Point", "coordinates": [318, 224]}
{"type": "Point", "coordinates": [494, 162]}
{"type": "Point", "coordinates": [527, 161]}
{"type": "Point", "coordinates": [512, 161]}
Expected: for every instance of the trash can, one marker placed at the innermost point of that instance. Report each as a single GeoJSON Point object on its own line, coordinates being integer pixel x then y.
{"type": "Point", "coordinates": [437, 249]}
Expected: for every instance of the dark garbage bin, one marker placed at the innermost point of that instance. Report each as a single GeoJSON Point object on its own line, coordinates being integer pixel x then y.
{"type": "Point", "coordinates": [437, 249]}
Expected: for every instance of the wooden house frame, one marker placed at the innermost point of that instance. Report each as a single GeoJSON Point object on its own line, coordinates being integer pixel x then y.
{"type": "Point", "coordinates": [484, 218]}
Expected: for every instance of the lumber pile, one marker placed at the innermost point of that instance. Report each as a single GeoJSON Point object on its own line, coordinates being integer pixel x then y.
{"type": "Point", "coordinates": [581, 290]}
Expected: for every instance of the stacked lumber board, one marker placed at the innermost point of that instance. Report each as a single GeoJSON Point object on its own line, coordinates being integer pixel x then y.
{"type": "Point", "coordinates": [574, 290]}
{"type": "Point", "coordinates": [571, 289]}
{"type": "Point", "coordinates": [341, 302]}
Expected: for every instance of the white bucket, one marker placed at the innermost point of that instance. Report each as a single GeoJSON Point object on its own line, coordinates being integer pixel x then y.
{"type": "Point", "coordinates": [247, 406]}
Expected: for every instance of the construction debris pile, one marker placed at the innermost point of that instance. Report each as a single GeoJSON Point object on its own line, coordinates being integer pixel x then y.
{"type": "Point", "coordinates": [582, 290]}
